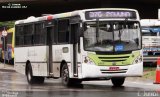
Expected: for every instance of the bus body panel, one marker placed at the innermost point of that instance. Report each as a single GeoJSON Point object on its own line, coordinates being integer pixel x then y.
{"type": "Point", "coordinates": [61, 53]}
{"type": "Point", "coordinates": [36, 56]}
{"type": "Point", "coordinates": [20, 67]}
{"type": "Point", "coordinates": [39, 65]}
{"type": "Point", "coordinates": [23, 54]}
{"type": "Point", "coordinates": [39, 69]}
{"type": "Point", "coordinates": [93, 70]}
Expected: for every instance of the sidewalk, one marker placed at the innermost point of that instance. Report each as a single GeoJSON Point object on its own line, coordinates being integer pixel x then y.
{"type": "Point", "coordinates": [7, 67]}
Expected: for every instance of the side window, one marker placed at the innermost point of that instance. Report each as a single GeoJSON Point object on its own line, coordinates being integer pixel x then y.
{"type": "Point", "coordinates": [39, 35]}
{"type": "Point", "coordinates": [28, 31]}
{"type": "Point", "coordinates": [63, 31]}
{"type": "Point", "coordinates": [19, 38]}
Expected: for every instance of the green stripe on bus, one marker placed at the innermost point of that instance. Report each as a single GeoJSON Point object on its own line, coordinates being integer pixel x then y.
{"type": "Point", "coordinates": [117, 60]}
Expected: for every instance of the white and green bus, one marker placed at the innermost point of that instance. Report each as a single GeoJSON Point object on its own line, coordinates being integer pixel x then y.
{"type": "Point", "coordinates": [82, 45]}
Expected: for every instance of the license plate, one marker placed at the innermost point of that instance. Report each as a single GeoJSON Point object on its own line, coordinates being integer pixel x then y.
{"type": "Point", "coordinates": [113, 68]}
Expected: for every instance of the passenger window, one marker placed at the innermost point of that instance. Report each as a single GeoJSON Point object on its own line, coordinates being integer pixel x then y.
{"type": "Point", "coordinates": [19, 38]}
{"type": "Point", "coordinates": [63, 31]}
{"type": "Point", "coordinates": [39, 35]}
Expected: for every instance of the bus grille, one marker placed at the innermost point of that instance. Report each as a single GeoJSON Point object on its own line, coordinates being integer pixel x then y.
{"type": "Point", "coordinates": [113, 59]}
{"type": "Point", "coordinates": [114, 71]}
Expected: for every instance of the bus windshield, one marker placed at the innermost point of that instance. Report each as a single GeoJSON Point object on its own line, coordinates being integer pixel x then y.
{"type": "Point", "coordinates": [150, 31]}
{"type": "Point", "coordinates": [112, 36]}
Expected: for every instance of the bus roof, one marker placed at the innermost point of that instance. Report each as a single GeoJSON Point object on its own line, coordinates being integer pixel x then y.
{"type": "Point", "coordinates": [68, 14]}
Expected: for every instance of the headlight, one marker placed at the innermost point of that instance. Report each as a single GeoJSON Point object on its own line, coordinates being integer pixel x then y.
{"type": "Point", "coordinates": [138, 60]}
{"type": "Point", "coordinates": [87, 60]}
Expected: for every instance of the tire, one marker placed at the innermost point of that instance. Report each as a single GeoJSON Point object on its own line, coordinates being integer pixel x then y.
{"type": "Point", "coordinates": [33, 79]}
{"type": "Point", "coordinates": [76, 81]}
{"type": "Point", "coordinates": [118, 81]}
{"type": "Point", "coordinates": [39, 80]}
{"type": "Point", "coordinates": [66, 81]}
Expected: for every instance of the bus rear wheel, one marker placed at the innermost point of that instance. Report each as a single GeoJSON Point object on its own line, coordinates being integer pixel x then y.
{"type": "Point", "coordinates": [118, 81]}
{"type": "Point", "coordinates": [65, 76]}
{"type": "Point", "coordinates": [33, 79]}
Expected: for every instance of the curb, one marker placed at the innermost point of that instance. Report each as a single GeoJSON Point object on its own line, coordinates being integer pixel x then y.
{"type": "Point", "coordinates": [7, 70]}
{"type": "Point", "coordinates": [6, 67]}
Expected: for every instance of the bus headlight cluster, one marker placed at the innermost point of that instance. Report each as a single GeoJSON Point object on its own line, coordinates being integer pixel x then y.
{"type": "Point", "coordinates": [138, 60]}
{"type": "Point", "coordinates": [87, 60]}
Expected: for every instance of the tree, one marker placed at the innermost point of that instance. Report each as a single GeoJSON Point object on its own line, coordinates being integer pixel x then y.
{"type": "Point", "coordinates": [7, 24]}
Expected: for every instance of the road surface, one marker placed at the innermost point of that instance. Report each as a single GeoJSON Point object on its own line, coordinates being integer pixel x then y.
{"type": "Point", "coordinates": [13, 84]}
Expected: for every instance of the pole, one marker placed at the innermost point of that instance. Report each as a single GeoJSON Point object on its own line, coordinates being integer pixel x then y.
{"type": "Point", "coordinates": [4, 33]}
{"type": "Point", "coordinates": [159, 14]}
{"type": "Point", "coordinates": [4, 47]}
{"type": "Point", "coordinates": [4, 50]}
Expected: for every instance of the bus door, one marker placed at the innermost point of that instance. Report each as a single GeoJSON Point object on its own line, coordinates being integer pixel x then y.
{"type": "Point", "coordinates": [50, 30]}
{"type": "Point", "coordinates": [49, 49]}
{"type": "Point", "coordinates": [75, 41]}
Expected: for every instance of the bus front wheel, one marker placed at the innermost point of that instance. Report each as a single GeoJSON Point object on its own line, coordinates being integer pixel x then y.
{"type": "Point", "coordinates": [118, 81]}
{"type": "Point", "coordinates": [33, 79]}
{"type": "Point", "coordinates": [66, 80]}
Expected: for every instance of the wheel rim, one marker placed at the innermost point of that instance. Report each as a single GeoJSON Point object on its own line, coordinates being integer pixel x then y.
{"type": "Point", "coordinates": [65, 75]}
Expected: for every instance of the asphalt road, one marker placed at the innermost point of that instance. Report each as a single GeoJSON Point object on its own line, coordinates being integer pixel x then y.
{"type": "Point", "coordinates": [13, 84]}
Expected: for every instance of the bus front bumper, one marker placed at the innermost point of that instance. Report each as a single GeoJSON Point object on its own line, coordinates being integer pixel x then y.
{"type": "Point", "coordinates": [93, 71]}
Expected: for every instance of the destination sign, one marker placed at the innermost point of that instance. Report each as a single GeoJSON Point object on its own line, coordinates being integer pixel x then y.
{"type": "Point", "coordinates": [103, 14]}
